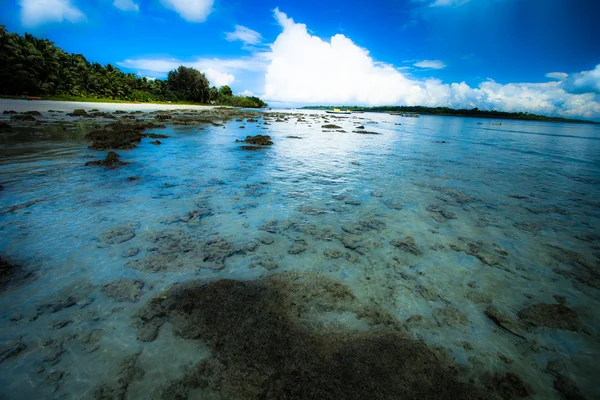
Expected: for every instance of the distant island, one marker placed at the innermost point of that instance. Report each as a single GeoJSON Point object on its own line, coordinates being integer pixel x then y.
{"type": "Point", "coordinates": [445, 111]}
{"type": "Point", "coordinates": [37, 69]}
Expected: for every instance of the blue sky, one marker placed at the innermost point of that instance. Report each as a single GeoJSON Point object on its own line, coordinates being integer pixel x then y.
{"type": "Point", "coordinates": [515, 55]}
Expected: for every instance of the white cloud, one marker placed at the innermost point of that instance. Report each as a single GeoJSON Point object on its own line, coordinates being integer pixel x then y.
{"type": "Point", "coordinates": [190, 10]}
{"type": "Point", "coordinates": [308, 70]}
{"type": "Point", "coordinates": [38, 12]}
{"type": "Point", "coordinates": [557, 75]}
{"type": "Point", "coordinates": [217, 78]}
{"type": "Point", "coordinates": [433, 64]}
{"type": "Point", "coordinates": [158, 65]}
{"type": "Point", "coordinates": [245, 93]}
{"type": "Point", "coordinates": [583, 82]}
{"type": "Point", "coordinates": [126, 5]}
{"type": "Point", "coordinates": [246, 35]}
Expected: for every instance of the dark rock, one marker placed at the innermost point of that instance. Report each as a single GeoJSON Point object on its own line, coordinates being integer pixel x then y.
{"type": "Point", "coordinates": [509, 386]}
{"type": "Point", "coordinates": [9, 112]}
{"type": "Point", "coordinates": [156, 142]}
{"type": "Point", "coordinates": [331, 126]}
{"type": "Point", "coordinates": [258, 324]}
{"type": "Point", "coordinates": [61, 323]}
{"type": "Point", "coordinates": [130, 371]}
{"type": "Point", "coordinates": [34, 113]}
{"type": "Point", "coordinates": [252, 148]}
{"type": "Point", "coordinates": [162, 117]}
{"type": "Point", "coordinates": [556, 316]}
{"type": "Point", "coordinates": [260, 140]}
{"type": "Point", "coordinates": [120, 135]}
{"type": "Point", "coordinates": [80, 112]}
{"type": "Point", "coordinates": [110, 162]}
{"type": "Point", "coordinates": [367, 133]}
{"type": "Point", "coordinates": [22, 117]}
{"type": "Point", "coordinates": [4, 127]}
{"type": "Point", "coordinates": [12, 350]}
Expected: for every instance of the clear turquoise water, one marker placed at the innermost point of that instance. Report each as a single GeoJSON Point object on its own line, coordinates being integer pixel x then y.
{"type": "Point", "coordinates": [518, 188]}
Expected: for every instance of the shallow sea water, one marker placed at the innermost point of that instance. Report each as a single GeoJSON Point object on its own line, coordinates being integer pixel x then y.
{"type": "Point", "coordinates": [494, 211]}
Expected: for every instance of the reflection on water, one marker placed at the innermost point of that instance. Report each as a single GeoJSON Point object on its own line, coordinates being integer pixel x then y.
{"type": "Point", "coordinates": [477, 238]}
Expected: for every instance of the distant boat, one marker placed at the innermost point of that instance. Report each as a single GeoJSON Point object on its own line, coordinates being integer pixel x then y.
{"type": "Point", "coordinates": [500, 124]}
{"type": "Point", "coordinates": [358, 112]}
{"type": "Point", "coordinates": [338, 111]}
{"type": "Point", "coordinates": [410, 115]}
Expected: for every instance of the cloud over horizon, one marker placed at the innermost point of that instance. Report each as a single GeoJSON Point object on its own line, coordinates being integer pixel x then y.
{"type": "Point", "coordinates": [38, 12]}
{"type": "Point", "coordinates": [309, 70]}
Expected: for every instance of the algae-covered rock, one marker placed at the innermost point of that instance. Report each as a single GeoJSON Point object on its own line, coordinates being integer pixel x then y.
{"type": "Point", "coordinates": [261, 324]}
{"type": "Point", "coordinates": [260, 140]}
{"type": "Point", "coordinates": [22, 118]}
{"type": "Point", "coordinates": [124, 289]}
{"type": "Point", "coordinates": [551, 315]}
{"type": "Point", "coordinates": [408, 245]}
{"type": "Point", "coordinates": [110, 162]}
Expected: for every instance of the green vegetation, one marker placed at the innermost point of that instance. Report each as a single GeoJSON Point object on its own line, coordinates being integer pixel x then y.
{"type": "Point", "coordinates": [37, 67]}
{"type": "Point", "coordinates": [445, 111]}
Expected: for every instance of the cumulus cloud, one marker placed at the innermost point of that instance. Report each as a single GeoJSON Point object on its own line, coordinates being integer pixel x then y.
{"type": "Point", "coordinates": [309, 70]}
{"type": "Point", "coordinates": [432, 64]}
{"type": "Point", "coordinates": [583, 82]}
{"type": "Point", "coordinates": [218, 78]}
{"type": "Point", "coordinates": [126, 5]}
{"type": "Point", "coordinates": [190, 10]}
{"type": "Point", "coordinates": [38, 12]}
{"type": "Point", "coordinates": [245, 93]}
{"type": "Point", "coordinates": [246, 35]}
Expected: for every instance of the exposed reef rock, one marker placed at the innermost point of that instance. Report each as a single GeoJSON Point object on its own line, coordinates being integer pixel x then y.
{"type": "Point", "coordinates": [120, 135]}
{"type": "Point", "coordinates": [263, 324]}
{"type": "Point", "coordinates": [23, 118]}
{"type": "Point", "coordinates": [110, 162]}
{"type": "Point", "coordinates": [260, 140]}
{"type": "Point", "coordinates": [331, 126]}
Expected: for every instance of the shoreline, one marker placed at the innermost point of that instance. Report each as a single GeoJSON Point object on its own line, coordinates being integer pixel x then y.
{"type": "Point", "coordinates": [66, 105]}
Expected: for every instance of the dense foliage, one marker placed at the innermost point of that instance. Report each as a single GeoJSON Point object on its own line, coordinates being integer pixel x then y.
{"type": "Point", "coordinates": [39, 68]}
{"type": "Point", "coordinates": [473, 112]}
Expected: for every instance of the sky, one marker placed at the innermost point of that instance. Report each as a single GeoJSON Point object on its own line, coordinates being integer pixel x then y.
{"type": "Point", "coordinates": [540, 56]}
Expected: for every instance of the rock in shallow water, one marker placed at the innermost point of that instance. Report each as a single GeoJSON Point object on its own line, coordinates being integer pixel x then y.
{"type": "Point", "coordinates": [124, 289]}
{"type": "Point", "coordinates": [261, 324]}
{"type": "Point", "coordinates": [551, 315]}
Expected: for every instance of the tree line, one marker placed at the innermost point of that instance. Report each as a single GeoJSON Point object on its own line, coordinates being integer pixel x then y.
{"type": "Point", "coordinates": [445, 111]}
{"type": "Point", "coordinates": [37, 67]}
